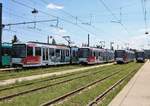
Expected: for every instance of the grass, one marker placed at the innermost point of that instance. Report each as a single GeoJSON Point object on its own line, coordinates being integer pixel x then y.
{"type": "Point", "coordinates": [85, 97]}
{"type": "Point", "coordinates": [36, 71]}
{"type": "Point", "coordinates": [111, 95]}
{"type": "Point", "coordinates": [58, 90]}
{"type": "Point", "coordinates": [39, 84]}
{"type": "Point", "coordinates": [24, 83]}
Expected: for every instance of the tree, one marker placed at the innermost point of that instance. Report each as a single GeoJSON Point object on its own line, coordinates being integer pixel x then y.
{"type": "Point", "coordinates": [53, 41]}
{"type": "Point", "coordinates": [15, 39]}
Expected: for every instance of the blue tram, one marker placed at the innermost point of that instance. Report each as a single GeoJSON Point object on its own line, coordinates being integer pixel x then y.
{"type": "Point", "coordinates": [124, 56]}
{"type": "Point", "coordinates": [140, 56]}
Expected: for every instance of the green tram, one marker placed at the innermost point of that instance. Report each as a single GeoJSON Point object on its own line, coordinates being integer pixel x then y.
{"type": "Point", "coordinates": [6, 54]}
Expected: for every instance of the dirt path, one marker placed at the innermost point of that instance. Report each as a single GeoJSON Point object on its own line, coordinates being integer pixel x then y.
{"type": "Point", "coordinates": [28, 78]}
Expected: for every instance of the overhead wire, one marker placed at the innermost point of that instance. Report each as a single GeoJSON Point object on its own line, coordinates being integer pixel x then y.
{"type": "Point", "coordinates": [43, 12]}
{"type": "Point", "coordinates": [143, 3]}
{"type": "Point", "coordinates": [74, 17]}
{"type": "Point", "coordinates": [114, 16]}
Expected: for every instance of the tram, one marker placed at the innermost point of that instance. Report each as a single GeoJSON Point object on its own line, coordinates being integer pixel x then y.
{"type": "Point", "coordinates": [91, 55]}
{"type": "Point", "coordinates": [140, 56]}
{"type": "Point", "coordinates": [124, 56]}
{"type": "Point", "coordinates": [6, 54]}
{"type": "Point", "coordinates": [32, 54]}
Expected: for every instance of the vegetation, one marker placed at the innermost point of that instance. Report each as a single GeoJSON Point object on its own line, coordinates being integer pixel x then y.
{"type": "Point", "coordinates": [39, 83]}
{"type": "Point", "coordinates": [15, 39]}
{"type": "Point", "coordinates": [88, 95]}
{"type": "Point", "coordinates": [84, 97]}
{"type": "Point", "coordinates": [35, 71]}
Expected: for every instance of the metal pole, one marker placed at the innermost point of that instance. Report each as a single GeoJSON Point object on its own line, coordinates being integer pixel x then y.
{"type": "Point", "coordinates": [1, 34]}
{"type": "Point", "coordinates": [88, 40]}
{"type": "Point", "coordinates": [48, 39]}
{"type": "Point", "coordinates": [70, 52]}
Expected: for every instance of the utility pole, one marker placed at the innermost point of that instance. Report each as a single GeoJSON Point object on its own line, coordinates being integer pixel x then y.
{"type": "Point", "coordinates": [88, 40]}
{"type": "Point", "coordinates": [48, 39]}
{"type": "Point", "coordinates": [1, 26]}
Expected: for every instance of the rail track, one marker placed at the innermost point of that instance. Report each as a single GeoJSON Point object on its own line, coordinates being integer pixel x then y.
{"type": "Point", "coordinates": [50, 85]}
{"type": "Point", "coordinates": [107, 91]}
{"type": "Point", "coordinates": [55, 100]}
{"type": "Point", "coordinates": [52, 78]}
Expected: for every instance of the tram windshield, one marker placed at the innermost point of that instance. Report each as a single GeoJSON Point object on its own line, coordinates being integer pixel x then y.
{"type": "Point", "coordinates": [83, 52]}
{"type": "Point", "coordinates": [19, 50]}
{"type": "Point", "coordinates": [119, 53]}
{"type": "Point", "coordinates": [140, 54]}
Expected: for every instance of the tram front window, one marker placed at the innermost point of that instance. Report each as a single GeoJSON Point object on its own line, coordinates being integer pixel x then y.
{"type": "Point", "coordinates": [19, 50]}
{"type": "Point", "coordinates": [119, 54]}
{"type": "Point", "coordinates": [83, 52]}
{"type": "Point", "coordinates": [140, 54]}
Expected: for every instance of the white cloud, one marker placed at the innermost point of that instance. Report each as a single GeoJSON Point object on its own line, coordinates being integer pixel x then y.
{"type": "Point", "coordinates": [55, 6]}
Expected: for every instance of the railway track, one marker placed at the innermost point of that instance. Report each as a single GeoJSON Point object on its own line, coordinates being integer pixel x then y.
{"type": "Point", "coordinates": [50, 85]}
{"type": "Point", "coordinates": [55, 100]}
{"type": "Point", "coordinates": [107, 91]}
{"type": "Point", "coordinates": [67, 95]}
{"type": "Point", "coordinates": [52, 78]}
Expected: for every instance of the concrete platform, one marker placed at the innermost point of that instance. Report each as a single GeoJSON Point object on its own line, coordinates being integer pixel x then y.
{"type": "Point", "coordinates": [137, 91]}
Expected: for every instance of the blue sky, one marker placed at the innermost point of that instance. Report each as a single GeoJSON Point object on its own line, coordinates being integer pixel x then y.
{"type": "Point", "coordinates": [101, 28]}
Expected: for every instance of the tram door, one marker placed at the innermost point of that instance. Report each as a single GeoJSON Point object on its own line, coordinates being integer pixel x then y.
{"type": "Point", "coordinates": [45, 55]}
{"type": "Point", "coordinates": [62, 55]}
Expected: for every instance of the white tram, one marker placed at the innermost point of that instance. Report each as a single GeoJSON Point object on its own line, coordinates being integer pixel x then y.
{"type": "Point", "coordinates": [90, 55]}
{"type": "Point", "coordinates": [32, 54]}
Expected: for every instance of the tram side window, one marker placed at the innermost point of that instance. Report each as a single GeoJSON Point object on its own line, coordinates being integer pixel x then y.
{"type": "Point", "coordinates": [99, 53]}
{"type": "Point", "coordinates": [94, 53]}
{"type": "Point", "coordinates": [46, 53]}
{"type": "Point", "coordinates": [37, 51]}
{"type": "Point", "coordinates": [74, 53]}
{"type": "Point", "coordinates": [30, 51]}
{"type": "Point", "coordinates": [51, 52]}
{"type": "Point", "coordinates": [43, 53]}
{"type": "Point", "coordinates": [67, 53]}
{"type": "Point", "coordinates": [57, 52]}
{"type": "Point", "coordinates": [90, 53]}
{"type": "Point", "coordinates": [6, 51]}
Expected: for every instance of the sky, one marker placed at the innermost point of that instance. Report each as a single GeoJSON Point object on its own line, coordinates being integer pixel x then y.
{"type": "Point", "coordinates": [77, 19]}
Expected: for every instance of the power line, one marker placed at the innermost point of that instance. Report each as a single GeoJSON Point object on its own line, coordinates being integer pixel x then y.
{"type": "Point", "coordinates": [75, 17]}
{"type": "Point", "coordinates": [25, 5]}
{"type": "Point", "coordinates": [109, 10]}
{"type": "Point", "coordinates": [30, 22]}
{"type": "Point", "coordinates": [143, 3]}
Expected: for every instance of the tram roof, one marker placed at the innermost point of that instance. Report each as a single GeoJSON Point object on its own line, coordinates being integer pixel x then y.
{"type": "Point", "coordinates": [41, 44]}
{"type": "Point", "coordinates": [125, 50]}
{"type": "Point", "coordinates": [93, 48]}
{"type": "Point", "coordinates": [7, 45]}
